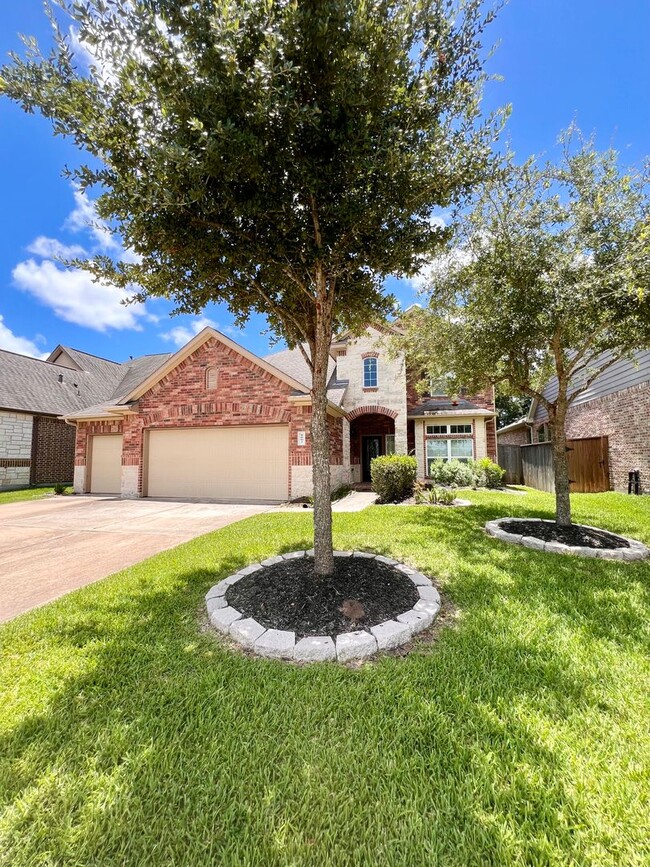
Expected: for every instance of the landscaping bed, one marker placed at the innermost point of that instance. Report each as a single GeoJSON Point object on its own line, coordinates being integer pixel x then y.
{"type": "Point", "coordinates": [575, 534]}
{"type": "Point", "coordinates": [289, 595]}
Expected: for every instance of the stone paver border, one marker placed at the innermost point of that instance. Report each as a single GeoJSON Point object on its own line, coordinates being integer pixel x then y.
{"type": "Point", "coordinates": [345, 647]}
{"type": "Point", "coordinates": [636, 551]}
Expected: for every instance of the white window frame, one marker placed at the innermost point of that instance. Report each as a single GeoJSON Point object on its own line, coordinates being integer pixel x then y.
{"type": "Point", "coordinates": [446, 429]}
{"type": "Point", "coordinates": [368, 370]}
{"type": "Point", "coordinates": [449, 457]}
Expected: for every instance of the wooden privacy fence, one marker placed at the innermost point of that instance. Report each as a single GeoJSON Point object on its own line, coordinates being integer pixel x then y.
{"type": "Point", "coordinates": [588, 465]}
{"type": "Point", "coordinates": [510, 459]}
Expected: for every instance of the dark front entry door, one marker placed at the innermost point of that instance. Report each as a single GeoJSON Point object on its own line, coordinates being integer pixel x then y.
{"type": "Point", "coordinates": [370, 448]}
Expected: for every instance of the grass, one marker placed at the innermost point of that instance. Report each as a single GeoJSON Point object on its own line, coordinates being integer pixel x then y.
{"type": "Point", "coordinates": [130, 735]}
{"type": "Point", "coordinates": [20, 494]}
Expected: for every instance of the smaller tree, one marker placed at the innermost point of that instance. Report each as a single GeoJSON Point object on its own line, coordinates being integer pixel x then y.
{"type": "Point", "coordinates": [543, 286]}
{"type": "Point", "coordinates": [510, 407]}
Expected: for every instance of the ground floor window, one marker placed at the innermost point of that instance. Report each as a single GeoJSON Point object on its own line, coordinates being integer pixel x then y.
{"type": "Point", "coordinates": [390, 444]}
{"type": "Point", "coordinates": [448, 450]}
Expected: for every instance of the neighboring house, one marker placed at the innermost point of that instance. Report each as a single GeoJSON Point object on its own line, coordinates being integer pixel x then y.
{"type": "Point", "coordinates": [517, 433]}
{"type": "Point", "coordinates": [215, 421]}
{"type": "Point", "coordinates": [616, 405]}
{"type": "Point", "coordinates": [36, 446]}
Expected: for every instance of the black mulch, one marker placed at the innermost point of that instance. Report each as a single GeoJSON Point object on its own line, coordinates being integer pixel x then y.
{"type": "Point", "coordinates": [361, 593]}
{"type": "Point", "coordinates": [575, 534]}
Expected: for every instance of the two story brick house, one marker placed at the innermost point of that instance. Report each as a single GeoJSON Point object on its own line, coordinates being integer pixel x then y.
{"type": "Point", "coordinates": [215, 421]}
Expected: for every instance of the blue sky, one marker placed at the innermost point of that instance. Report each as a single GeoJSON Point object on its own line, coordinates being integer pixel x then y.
{"type": "Point", "coordinates": [587, 60]}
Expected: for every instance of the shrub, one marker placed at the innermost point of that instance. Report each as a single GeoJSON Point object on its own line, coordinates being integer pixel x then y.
{"type": "Point", "coordinates": [59, 488]}
{"type": "Point", "coordinates": [487, 474]}
{"type": "Point", "coordinates": [434, 496]}
{"type": "Point", "coordinates": [451, 473]}
{"type": "Point", "coordinates": [393, 477]}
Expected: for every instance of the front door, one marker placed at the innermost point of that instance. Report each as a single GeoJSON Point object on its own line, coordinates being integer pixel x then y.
{"type": "Point", "coordinates": [370, 448]}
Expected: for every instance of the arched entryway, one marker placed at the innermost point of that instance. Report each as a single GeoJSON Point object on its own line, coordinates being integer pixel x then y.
{"type": "Point", "coordinates": [372, 433]}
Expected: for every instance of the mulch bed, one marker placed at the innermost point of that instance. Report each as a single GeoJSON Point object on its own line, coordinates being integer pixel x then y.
{"type": "Point", "coordinates": [361, 593]}
{"type": "Point", "coordinates": [574, 535]}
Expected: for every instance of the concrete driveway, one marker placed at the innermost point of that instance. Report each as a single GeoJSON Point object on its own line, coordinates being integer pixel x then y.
{"type": "Point", "coordinates": [49, 547]}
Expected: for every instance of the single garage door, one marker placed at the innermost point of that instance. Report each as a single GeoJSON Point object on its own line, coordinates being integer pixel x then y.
{"type": "Point", "coordinates": [105, 464]}
{"type": "Point", "coordinates": [226, 463]}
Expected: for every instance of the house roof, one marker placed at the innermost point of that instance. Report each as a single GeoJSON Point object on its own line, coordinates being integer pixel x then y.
{"type": "Point", "coordinates": [292, 362]}
{"type": "Point", "coordinates": [447, 407]}
{"type": "Point", "coordinates": [35, 386]}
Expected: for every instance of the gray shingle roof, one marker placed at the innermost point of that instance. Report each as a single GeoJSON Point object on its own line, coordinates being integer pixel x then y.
{"type": "Point", "coordinates": [448, 407]}
{"type": "Point", "coordinates": [291, 362]}
{"type": "Point", "coordinates": [35, 386]}
{"type": "Point", "coordinates": [30, 385]}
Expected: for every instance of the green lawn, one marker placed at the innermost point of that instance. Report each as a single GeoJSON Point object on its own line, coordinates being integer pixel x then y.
{"type": "Point", "coordinates": [27, 494]}
{"type": "Point", "coordinates": [521, 736]}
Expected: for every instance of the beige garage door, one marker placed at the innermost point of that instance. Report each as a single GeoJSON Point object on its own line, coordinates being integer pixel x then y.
{"type": "Point", "coordinates": [227, 463]}
{"type": "Point", "coordinates": [105, 464]}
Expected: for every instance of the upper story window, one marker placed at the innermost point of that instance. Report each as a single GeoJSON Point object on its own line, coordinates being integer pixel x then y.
{"type": "Point", "coordinates": [438, 429]}
{"type": "Point", "coordinates": [370, 373]}
{"type": "Point", "coordinates": [211, 376]}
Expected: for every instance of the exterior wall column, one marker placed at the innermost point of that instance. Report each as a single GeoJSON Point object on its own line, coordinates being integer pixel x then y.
{"type": "Point", "coordinates": [132, 458]}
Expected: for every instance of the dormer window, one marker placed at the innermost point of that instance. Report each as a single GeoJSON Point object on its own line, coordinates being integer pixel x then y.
{"type": "Point", "coordinates": [211, 376]}
{"type": "Point", "coordinates": [370, 372]}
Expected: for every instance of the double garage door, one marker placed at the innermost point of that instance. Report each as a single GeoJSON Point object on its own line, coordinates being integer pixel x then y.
{"type": "Point", "coordinates": [228, 463]}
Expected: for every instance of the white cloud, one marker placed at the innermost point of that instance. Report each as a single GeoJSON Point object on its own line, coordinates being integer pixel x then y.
{"type": "Point", "coordinates": [21, 345]}
{"type": "Point", "coordinates": [50, 248]}
{"type": "Point", "coordinates": [84, 219]}
{"type": "Point", "coordinates": [182, 334]}
{"type": "Point", "coordinates": [73, 296]}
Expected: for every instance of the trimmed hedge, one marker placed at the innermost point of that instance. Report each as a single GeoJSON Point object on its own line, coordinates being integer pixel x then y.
{"type": "Point", "coordinates": [393, 477]}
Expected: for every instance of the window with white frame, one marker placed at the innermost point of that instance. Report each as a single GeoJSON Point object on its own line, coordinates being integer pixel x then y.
{"type": "Point", "coordinates": [441, 429]}
{"type": "Point", "coordinates": [370, 373]}
{"type": "Point", "coordinates": [448, 450]}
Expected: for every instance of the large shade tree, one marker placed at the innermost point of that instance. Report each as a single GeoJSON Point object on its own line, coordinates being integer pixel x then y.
{"type": "Point", "coordinates": [544, 285]}
{"type": "Point", "coordinates": [281, 156]}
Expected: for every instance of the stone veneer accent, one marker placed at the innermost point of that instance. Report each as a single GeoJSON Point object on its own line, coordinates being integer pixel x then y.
{"type": "Point", "coordinates": [636, 551]}
{"type": "Point", "coordinates": [15, 449]}
{"type": "Point", "coordinates": [348, 646]}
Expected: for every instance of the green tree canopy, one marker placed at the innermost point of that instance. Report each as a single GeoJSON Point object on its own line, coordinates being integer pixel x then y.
{"type": "Point", "coordinates": [281, 157]}
{"type": "Point", "coordinates": [545, 279]}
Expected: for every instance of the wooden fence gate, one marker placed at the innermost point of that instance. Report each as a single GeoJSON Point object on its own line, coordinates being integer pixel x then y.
{"type": "Point", "coordinates": [510, 459]}
{"type": "Point", "coordinates": [588, 465]}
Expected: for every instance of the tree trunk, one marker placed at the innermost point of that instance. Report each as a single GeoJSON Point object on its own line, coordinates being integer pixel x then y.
{"type": "Point", "coordinates": [557, 430]}
{"type": "Point", "coordinates": [320, 448]}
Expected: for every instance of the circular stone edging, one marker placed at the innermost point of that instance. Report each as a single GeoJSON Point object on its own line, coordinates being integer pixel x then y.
{"type": "Point", "coordinates": [348, 646]}
{"type": "Point", "coordinates": [636, 551]}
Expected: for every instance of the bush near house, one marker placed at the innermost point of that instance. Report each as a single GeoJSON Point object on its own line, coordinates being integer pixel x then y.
{"type": "Point", "coordinates": [393, 477]}
{"type": "Point", "coordinates": [483, 473]}
{"type": "Point", "coordinates": [487, 474]}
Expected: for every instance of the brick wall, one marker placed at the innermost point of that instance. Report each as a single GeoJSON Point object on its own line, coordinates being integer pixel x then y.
{"type": "Point", "coordinates": [518, 437]}
{"type": "Point", "coordinates": [623, 418]}
{"type": "Point", "coordinates": [245, 394]}
{"type": "Point", "coordinates": [53, 451]}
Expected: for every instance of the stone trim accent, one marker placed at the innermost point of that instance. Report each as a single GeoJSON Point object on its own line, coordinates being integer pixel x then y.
{"type": "Point", "coordinates": [366, 410]}
{"type": "Point", "coordinates": [636, 551]}
{"type": "Point", "coordinates": [345, 647]}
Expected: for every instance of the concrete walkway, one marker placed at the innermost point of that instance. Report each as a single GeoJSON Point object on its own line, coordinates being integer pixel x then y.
{"type": "Point", "coordinates": [52, 546]}
{"type": "Point", "coordinates": [356, 501]}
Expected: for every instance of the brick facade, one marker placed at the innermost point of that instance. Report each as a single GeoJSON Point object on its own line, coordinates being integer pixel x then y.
{"type": "Point", "coordinates": [623, 418]}
{"type": "Point", "coordinates": [517, 437]}
{"type": "Point", "coordinates": [246, 394]}
{"type": "Point", "coordinates": [53, 451]}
